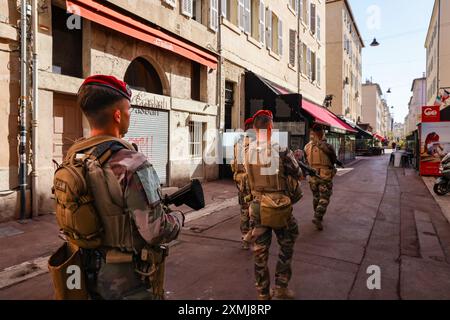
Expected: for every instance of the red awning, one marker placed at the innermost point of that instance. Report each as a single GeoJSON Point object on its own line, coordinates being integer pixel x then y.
{"type": "Point", "coordinates": [107, 17]}
{"type": "Point", "coordinates": [381, 138]}
{"type": "Point", "coordinates": [324, 116]}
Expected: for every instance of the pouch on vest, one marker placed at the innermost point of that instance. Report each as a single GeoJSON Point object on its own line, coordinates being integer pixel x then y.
{"type": "Point", "coordinates": [275, 210]}
{"type": "Point", "coordinates": [294, 190]}
{"type": "Point", "coordinates": [66, 270]}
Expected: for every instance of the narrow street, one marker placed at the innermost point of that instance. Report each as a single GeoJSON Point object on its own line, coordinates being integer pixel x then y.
{"type": "Point", "coordinates": [378, 216]}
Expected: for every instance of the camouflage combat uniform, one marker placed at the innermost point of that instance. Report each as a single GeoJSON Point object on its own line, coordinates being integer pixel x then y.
{"type": "Point", "coordinates": [317, 155]}
{"type": "Point", "coordinates": [241, 180]}
{"type": "Point", "coordinates": [261, 234]}
{"type": "Point", "coordinates": [151, 225]}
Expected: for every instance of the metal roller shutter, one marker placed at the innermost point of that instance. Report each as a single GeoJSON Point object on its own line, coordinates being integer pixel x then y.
{"type": "Point", "coordinates": [149, 129]}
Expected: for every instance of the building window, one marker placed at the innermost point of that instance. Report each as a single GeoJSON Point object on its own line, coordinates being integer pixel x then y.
{"type": "Point", "coordinates": [197, 10]}
{"type": "Point", "coordinates": [195, 81]}
{"type": "Point", "coordinates": [313, 18]}
{"type": "Point", "coordinates": [141, 75]}
{"type": "Point", "coordinates": [245, 15]}
{"type": "Point", "coordinates": [292, 46]}
{"type": "Point", "coordinates": [195, 139]}
{"type": "Point", "coordinates": [66, 43]}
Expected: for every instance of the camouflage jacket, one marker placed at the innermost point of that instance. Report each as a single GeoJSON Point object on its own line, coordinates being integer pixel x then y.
{"type": "Point", "coordinates": [142, 195]}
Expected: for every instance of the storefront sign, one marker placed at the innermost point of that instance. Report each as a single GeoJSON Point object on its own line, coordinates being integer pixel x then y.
{"type": "Point", "coordinates": [434, 145]}
{"type": "Point", "coordinates": [431, 114]}
{"type": "Point", "coordinates": [148, 100]}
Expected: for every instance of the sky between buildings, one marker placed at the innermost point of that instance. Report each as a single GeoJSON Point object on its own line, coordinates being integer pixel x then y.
{"type": "Point", "coordinates": [400, 27]}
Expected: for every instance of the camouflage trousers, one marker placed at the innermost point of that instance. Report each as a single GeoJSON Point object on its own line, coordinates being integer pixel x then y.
{"type": "Point", "coordinates": [286, 238]}
{"type": "Point", "coordinates": [322, 191]}
{"type": "Point", "coordinates": [245, 216]}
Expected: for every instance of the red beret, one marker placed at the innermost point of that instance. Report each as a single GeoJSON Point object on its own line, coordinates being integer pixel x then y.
{"type": "Point", "coordinates": [249, 121]}
{"type": "Point", "coordinates": [109, 82]}
{"type": "Point", "coordinates": [266, 113]}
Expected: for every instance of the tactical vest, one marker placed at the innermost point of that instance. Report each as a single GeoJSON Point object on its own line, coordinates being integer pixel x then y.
{"type": "Point", "coordinates": [263, 177]}
{"type": "Point", "coordinates": [316, 157]}
{"type": "Point", "coordinates": [101, 188]}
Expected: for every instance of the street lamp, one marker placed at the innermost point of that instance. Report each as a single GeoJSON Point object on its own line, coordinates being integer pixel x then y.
{"type": "Point", "coordinates": [374, 43]}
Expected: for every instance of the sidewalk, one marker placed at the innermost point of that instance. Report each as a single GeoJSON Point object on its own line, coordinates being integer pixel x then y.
{"type": "Point", "coordinates": [26, 247]}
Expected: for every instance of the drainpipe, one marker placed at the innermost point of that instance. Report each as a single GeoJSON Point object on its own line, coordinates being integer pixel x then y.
{"type": "Point", "coordinates": [22, 109]}
{"type": "Point", "coordinates": [219, 66]}
{"type": "Point", "coordinates": [35, 121]}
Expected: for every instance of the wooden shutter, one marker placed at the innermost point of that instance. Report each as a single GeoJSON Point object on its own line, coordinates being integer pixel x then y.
{"type": "Point", "coordinates": [292, 45]}
{"type": "Point", "coordinates": [213, 14]}
{"type": "Point", "coordinates": [262, 22]}
{"type": "Point", "coordinates": [187, 7]}
{"type": "Point", "coordinates": [280, 37]}
{"type": "Point", "coordinates": [313, 18]}
{"type": "Point", "coordinates": [269, 28]}
{"type": "Point", "coordinates": [241, 14]}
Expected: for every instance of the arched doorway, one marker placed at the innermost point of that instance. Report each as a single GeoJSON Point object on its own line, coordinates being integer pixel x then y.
{"type": "Point", "coordinates": [141, 75]}
{"type": "Point", "coordinates": [149, 124]}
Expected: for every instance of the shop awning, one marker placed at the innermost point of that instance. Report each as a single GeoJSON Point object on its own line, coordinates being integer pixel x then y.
{"type": "Point", "coordinates": [277, 89]}
{"type": "Point", "coordinates": [326, 117]}
{"type": "Point", "coordinates": [107, 17]}
{"type": "Point", "coordinates": [381, 138]}
{"type": "Point", "coordinates": [360, 131]}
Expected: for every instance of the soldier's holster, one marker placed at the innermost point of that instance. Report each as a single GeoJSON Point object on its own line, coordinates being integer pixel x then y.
{"type": "Point", "coordinates": [68, 274]}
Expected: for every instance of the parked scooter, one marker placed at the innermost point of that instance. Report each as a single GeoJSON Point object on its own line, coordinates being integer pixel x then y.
{"type": "Point", "coordinates": [442, 184]}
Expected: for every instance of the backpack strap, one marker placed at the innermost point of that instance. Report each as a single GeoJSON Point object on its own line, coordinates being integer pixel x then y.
{"type": "Point", "coordinates": [103, 151]}
{"type": "Point", "coordinates": [98, 147]}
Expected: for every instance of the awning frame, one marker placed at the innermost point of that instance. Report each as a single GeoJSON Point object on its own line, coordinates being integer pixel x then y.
{"type": "Point", "coordinates": [112, 19]}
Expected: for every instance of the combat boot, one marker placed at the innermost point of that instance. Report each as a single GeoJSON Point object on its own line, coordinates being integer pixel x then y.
{"type": "Point", "coordinates": [264, 296]}
{"type": "Point", "coordinates": [318, 224]}
{"type": "Point", "coordinates": [282, 293]}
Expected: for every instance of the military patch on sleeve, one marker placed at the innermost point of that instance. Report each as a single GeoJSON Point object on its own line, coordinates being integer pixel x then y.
{"type": "Point", "coordinates": [150, 183]}
{"type": "Point", "coordinates": [60, 185]}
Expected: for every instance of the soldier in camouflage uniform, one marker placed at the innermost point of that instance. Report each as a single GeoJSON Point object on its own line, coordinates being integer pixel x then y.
{"type": "Point", "coordinates": [321, 156]}
{"type": "Point", "coordinates": [240, 178]}
{"type": "Point", "coordinates": [136, 270]}
{"type": "Point", "coordinates": [267, 185]}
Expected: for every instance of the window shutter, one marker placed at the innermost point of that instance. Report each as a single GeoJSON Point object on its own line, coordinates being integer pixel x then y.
{"type": "Point", "coordinates": [269, 28]}
{"type": "Point", "coordinates": [313, 18]}
{"type": "Point", "coordinates": [280, 37]}
{"type": "Point", "coordinates": [313, 66]}
{"type": "Point", "coordinates": [171, 3]}
{"type": "Point", "coordinates": [296, 6]}
{"type": "Point", "coordinates": [187, 7]}
{"type": "Point", "coordinates": [318, 71]}
{"type": "Point", "coordinates": [307, 9]}
{"type": "Point", "coordinates": [300, 8]}
{"type": "Point", "coordinates": [247, 16]}
{"type": "Point", "coordinates": [241, 13]}
{"type": "Point", "coordinates": [262, 22]}
{"type": "Point", "coordinates": [213, 14]}
{"type": "Point", "coordinates": [292, 43]}
{"type": "Point", "coordinates": [308, 63]}
{"type": "Point", "coordinates": [318, 28]}
{"type": "Point", "coordinates": [224, 8]}
{"type": "Point", "coordinates": [300, 56]}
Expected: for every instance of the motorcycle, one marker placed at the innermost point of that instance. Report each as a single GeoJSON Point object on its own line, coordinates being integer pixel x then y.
{"type": "Point", "coordinates": [442, 184]}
